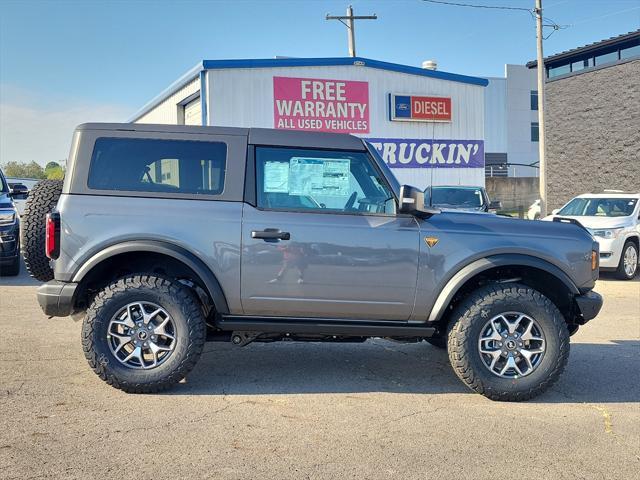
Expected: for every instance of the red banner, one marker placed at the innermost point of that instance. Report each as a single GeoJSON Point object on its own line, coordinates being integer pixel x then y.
{"type": "Point", "coordinates": [321, 105]}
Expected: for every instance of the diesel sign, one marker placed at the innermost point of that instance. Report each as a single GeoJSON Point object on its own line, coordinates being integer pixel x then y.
{"type": "Point", "coordinates": [413, 108]}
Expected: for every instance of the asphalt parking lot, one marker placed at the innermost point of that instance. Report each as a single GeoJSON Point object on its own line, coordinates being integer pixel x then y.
{"type": "Point", "coordinates": [288, 410]}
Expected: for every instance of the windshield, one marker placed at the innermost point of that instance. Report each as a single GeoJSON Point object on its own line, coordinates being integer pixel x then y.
{"type": "Point", "coordinates": [599, 207]}
{"type": "Point", "coordinates": [454, 197]}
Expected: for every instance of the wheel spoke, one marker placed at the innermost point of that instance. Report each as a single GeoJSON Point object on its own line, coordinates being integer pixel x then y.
{"type": "Point", "coordinates": [136, 353]}
{"type": "Point", "coordinates": [511, 363]}
{"type": "Point", "coordinates": [147, 317]}
{"type": "Point", "coordinates": [513, 326]}
{"type": "Point", "coordinates": [526, 355]}
{"type": "Point", "coordinates": [123, 339]}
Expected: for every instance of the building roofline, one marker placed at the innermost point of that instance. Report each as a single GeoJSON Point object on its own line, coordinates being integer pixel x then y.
{"type": "Point", "coordinates": [586, 49]}
{"type": "Point", "coordinates": [302, 62]}
{"type": "Point", "coordinates": [341, 61]}
{"type": "Point", "coordinates": [191, 75]}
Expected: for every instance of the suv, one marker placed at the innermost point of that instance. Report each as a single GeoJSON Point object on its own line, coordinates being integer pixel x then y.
{"type": "Point", "coordinates": [9, 231]}
{"type": "Point", "coordinates": [613, 218]}
{"type": "Point", "coordinates": [166, 236]}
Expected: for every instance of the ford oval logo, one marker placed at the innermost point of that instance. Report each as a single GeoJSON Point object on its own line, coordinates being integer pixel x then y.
{"type": "Point", "coordinates": [402, 106]}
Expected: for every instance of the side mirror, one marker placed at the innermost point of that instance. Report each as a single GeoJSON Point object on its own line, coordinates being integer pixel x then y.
{"type": "Point", "coordinates": [412, 202]}
{"type": "Point", "coordinates": [495, 205]}
{"type": "Point", "coordinates": [555, 211]}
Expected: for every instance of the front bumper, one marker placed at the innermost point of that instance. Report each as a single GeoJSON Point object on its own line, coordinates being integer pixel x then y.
{"type": "Point", "coordinates": [610, 251]}
{"type": "Point", "coordinates": [9, 242]}
{"type": "Point", "coordinates": [588, 306]}
{"type": "Point", "coordinates": [57, 298]}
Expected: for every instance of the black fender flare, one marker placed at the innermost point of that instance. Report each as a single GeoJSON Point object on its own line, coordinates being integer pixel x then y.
{"type": "Point", "coordinates": [179, 253]}
{"type": "Point", "coordinates": [501, 260]}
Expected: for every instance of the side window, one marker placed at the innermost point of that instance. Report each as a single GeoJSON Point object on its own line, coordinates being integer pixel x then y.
{"type": "Point", "coordinates": [160, 166]}
{"type": "Point", "coordinates": [320, 180]}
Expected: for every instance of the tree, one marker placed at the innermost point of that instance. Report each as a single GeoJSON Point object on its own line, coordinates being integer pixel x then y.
{"type": "Point", "coordinates": [54, 171]}
{"type": "Point", "coordinates": [24, 170]}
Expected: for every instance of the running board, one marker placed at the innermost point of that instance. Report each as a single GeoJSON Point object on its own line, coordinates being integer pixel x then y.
{"type": "Point", "coordinates": [321, 326]}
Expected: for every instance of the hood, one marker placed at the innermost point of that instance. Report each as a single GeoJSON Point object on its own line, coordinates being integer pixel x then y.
{"type": "Point", "coordinates": [507, 227]}
{"type": "Point", "coordinates": [596, 222]}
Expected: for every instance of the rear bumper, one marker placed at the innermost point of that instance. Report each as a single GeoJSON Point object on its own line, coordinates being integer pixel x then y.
{"type": "Point", "coordinates": [57, 298]}
{"type": "Point", "coordinates": [589, 306]}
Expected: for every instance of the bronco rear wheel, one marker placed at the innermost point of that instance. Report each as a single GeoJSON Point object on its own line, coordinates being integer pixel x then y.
{"type": "Point", "coordinates": [143, 333]}
{"type": "Point", "coordinates": [508, 342]}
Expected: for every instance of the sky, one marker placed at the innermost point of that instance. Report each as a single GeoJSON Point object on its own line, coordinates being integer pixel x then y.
{"type": "Point", "coordinates": [65, 62]}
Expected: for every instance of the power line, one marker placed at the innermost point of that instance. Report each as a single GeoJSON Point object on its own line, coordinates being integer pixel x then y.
{"type": "Point", "coordinates": [551, 23]}
{"type": "Point", "coordinates": [492, 7]}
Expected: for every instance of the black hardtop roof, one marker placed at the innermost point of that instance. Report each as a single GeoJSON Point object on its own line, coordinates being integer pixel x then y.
{"type": "Point", "coordinates": [256, 136]}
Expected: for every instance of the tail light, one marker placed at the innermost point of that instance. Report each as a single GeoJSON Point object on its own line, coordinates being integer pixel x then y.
{"type": "Point", "coordinates": [52, 237]}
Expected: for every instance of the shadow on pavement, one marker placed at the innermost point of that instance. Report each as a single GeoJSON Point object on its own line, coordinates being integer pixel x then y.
{"type": "Point", "coordinates": [596, 373]}
{"type": "Point", "coordinates": [21, 280]}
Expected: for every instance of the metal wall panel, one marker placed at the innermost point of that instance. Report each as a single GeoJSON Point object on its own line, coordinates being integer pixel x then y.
{"type": "Point", "coordinates": [167, 112]}
{"type": "Point", "coordinates": [244, 97]}
{"type": "Point", "coordinates": [495, 116]}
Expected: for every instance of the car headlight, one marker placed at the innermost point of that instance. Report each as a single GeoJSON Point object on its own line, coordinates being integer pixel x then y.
{"type": "Point", "coordinates": [608, 233]}
{"type": "Point", "coordinates": [7, 217]}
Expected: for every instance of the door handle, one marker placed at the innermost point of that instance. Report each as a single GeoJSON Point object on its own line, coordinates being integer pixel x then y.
{"type": "Point", "coordinates": [270, 234]}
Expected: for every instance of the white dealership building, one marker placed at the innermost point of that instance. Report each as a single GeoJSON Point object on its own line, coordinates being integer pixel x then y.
{"type": "Point", "coordinates": [427, 124]}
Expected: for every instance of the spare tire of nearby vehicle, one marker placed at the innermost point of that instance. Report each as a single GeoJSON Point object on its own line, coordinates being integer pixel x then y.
{"type": "Point", "coordinates": [42, 200]}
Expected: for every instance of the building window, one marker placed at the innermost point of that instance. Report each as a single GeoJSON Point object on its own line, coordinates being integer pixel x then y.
{"type": "Point", "coordinates": [606, 58]}
{"type": "Point", "coordinates": [630, 52]}
{"type": "Point", "coordinates": [535, 132]}
{"type": "Point", "coordinates": [559, 70]}
{"type": "Point", "coordinates": [534, 100]}
{"type": "Point", "coordinates": [576, 66]}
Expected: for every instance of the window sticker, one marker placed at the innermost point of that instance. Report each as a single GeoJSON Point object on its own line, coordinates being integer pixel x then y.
{"type": "Point", "coordinates": [276, 177]}
{"type": "Point", "coordinates": [319, 176]}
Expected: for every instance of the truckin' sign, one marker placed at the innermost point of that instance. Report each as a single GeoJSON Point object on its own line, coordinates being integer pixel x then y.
{"type": "Point", "coordinates": [320, 105]}
{"type": "Point", "coordinates": [412, 108]}
{"type": "Point", "coordinates": [420, 153]}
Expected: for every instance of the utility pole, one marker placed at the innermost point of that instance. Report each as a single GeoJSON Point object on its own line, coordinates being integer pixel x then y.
{"type": "Point", "coordinates": [541, 130]}
{"type": "Point", "coordinates": [350, 17]}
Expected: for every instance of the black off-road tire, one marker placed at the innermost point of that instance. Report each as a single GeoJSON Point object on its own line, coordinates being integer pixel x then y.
{"type": "Point", "coordinates": [620, 271]}
{"type": "Point", "coordinates": [465, 330]}
{"type": "Point", "coordinates": [438, 342]}
{"type": "Point", "coordinates": [177, 299]}
{"type": "Point", "coordinates": [42, 199]}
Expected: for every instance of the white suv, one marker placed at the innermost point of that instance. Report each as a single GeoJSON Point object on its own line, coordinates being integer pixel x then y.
{"type": "Point", "coordinates": [614, 221]}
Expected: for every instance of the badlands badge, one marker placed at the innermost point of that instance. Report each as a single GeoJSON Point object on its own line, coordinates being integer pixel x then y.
{"type": "Point", "coordinates": [431, 241]}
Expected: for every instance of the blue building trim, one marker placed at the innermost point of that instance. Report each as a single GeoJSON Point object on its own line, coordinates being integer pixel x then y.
{"type": "Point", "coordinates": [338, 61]}
{"type": "Point", "coordinates": [298, 62]}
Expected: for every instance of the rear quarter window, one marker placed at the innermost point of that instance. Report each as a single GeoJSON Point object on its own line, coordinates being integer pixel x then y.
{"type": "Point", "coordinates": [158, 166]}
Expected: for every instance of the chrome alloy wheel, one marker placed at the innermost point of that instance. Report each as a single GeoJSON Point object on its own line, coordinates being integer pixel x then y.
{"type": "Point", "coordinates": [630, 261]}
{"type": "Point", "coordinates": [511, 345]}
{"type": "Point", "coordinates": [141, 335]}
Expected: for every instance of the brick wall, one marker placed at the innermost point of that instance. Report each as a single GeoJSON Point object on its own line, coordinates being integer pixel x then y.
{"type": "Point", "coordinates": [593, 132]}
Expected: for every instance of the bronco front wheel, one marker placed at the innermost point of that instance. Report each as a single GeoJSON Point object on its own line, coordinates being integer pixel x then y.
{"type": "Point", "coordinates": [143, 333]}
{"type": "Point", "coordinates": [508, 342]}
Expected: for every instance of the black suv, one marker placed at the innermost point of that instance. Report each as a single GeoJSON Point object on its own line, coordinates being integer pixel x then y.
{"type": "Point", "coordinates": [9, 231]}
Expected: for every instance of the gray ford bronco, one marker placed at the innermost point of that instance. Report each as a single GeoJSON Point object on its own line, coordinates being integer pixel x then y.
{"type": "Point", "coordinates": [164, 237]}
